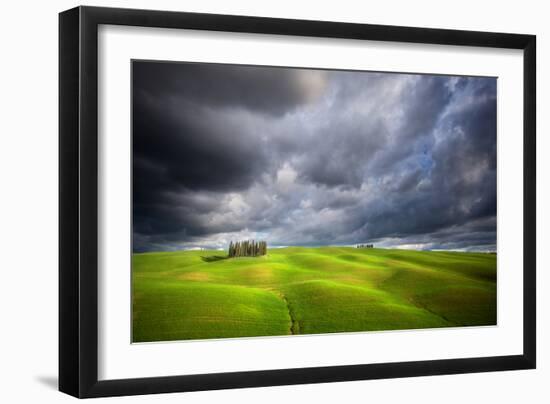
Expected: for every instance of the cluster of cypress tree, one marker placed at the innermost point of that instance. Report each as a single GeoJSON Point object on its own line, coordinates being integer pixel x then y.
{"type": "Point", "coordinates": [365, 245]}
{"type": "Point", "coordinates": [248, 248]}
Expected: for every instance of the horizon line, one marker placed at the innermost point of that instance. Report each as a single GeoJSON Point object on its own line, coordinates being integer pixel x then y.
{"type": "Point", "coordinates": [488, 251]}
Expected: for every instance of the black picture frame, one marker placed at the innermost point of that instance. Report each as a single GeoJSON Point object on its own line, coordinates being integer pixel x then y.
{"type": "Point", "coordinates": [78, 201]}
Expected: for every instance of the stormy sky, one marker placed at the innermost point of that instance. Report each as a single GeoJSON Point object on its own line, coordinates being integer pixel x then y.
{"type": "Point", "coordinates": [311, 157]}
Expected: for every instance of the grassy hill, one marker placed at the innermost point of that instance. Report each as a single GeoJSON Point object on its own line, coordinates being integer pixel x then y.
{"type": "Point", "coordinates": [203, 294]}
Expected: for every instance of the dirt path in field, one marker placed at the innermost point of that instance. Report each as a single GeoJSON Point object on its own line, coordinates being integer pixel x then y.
{"type": "Point", "coordinates": [424, 307]}
{"type": "Point", "coordinates": [294, 326]}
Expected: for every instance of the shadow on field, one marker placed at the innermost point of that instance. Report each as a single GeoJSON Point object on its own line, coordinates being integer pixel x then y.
{"type": "Point", "coordinates": [214, 258]}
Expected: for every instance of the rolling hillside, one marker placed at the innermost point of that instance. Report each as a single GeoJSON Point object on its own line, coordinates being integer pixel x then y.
{"type": "Point", "coordinates": [204, 294]}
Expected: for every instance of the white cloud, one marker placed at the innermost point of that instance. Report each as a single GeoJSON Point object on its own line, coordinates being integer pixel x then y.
{"type": "Point", "coordinates": [286, 177]}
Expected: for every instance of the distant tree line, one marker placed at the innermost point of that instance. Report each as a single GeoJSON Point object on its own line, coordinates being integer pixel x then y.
{"type": "Point", "coordinates": [248, 248]}
{"type": "Point", "coordinates": [365, 245]}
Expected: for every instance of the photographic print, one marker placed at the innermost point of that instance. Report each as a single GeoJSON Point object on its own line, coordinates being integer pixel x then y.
{"type": "Point", "coordinates": [280, 201]}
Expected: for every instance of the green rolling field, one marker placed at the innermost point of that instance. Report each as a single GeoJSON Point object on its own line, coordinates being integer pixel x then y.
{"type": "Point", "coordinates": [202, 294]}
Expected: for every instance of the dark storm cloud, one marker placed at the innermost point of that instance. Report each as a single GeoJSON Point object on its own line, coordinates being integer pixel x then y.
{"type": "Point", "coordinates": [271, 91]}
{"type": "Point", "coordinates": [304, 157]}
{"type": "Point", "coordinates": [376, 138]}
{"type": "Point", "coordinates": [459, 183]}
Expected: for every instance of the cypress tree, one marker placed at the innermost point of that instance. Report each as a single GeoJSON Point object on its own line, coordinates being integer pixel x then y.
{"type": "Point", "coordinates": [247, 248]}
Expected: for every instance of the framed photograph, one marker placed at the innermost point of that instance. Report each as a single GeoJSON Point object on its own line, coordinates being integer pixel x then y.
{"type": "Point", "coordinates": [250, 201]}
